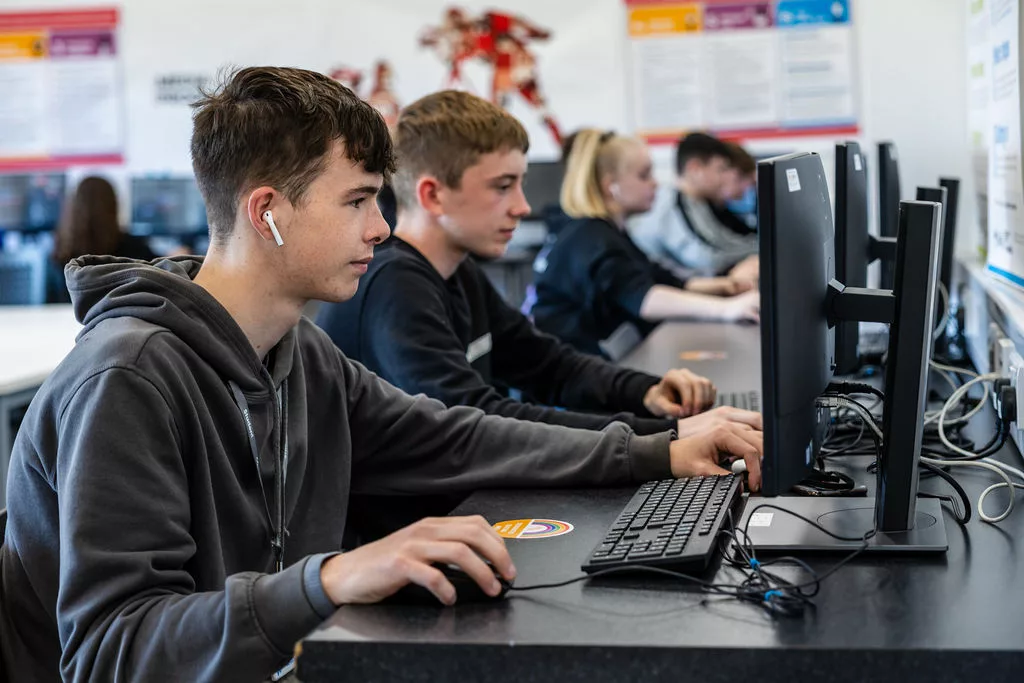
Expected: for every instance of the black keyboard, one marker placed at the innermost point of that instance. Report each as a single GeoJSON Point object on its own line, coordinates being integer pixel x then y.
{"type": "Point", "coordinates": [747, 400]}
{"type": "Point", "coordinates": [671, 523]}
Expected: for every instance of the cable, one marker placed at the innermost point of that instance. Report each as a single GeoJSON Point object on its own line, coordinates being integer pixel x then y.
{"type": "Point", "coordinates": [994, 467]}
{"type": "Point", "coordinates": [961, 519]}
{"type": "Point", "coordinates": [842, 401]}
{"type": "Point", "coordinates": [952, 368]}
{"type": "Point", "coordinates": [854, 388]}
{"type": "Point", "coordinates": [955, 398]}
{"type": "Point", "coordinates": [773, 593]}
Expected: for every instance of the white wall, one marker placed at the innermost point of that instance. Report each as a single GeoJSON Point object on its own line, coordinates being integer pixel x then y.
{"type": "Point", "coordinates": [911, 65]}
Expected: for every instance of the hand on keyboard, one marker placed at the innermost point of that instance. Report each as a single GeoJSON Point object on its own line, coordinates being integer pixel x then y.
{"type": "Point", "coordinates": [718, 416]}
{"type": "Point", "coordinates": [680, 393]}
{"type": "Point", "coordinates": [699, 454]}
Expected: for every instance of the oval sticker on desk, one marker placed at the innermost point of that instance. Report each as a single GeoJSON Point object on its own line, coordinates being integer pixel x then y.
{"type": "Point", "coordinates": [532, 528]}
{"type": "Point", "coordinates": [703, 355]}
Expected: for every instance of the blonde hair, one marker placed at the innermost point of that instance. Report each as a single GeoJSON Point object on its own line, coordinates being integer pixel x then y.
{"type": "Point", "coordinates": [595, 155]}
{"type": "Point", "coordinates": [445, 133]}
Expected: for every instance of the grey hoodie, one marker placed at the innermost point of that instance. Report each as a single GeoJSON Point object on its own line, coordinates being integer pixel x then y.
{"type": "Point", "coordinates": [139, 538]}
{"type": "Point", "coordinates": [695, 241]}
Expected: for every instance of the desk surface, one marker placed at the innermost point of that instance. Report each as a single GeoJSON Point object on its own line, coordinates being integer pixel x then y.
{"type": "Point", "coordinates": [952, 617]}
{"type": "Point", "coordinates": [33, 341]}
{"type": "Point", "coordinates": [729, 354]}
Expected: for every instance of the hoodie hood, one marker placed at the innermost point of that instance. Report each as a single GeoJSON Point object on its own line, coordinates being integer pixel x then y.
{"type": "Point", "coordinates": [162, 292]}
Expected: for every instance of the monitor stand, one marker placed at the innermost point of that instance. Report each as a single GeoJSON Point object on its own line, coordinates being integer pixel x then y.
{"type": "Point", "coordinates": [774, 531]}
{"type": "Point", "coordinates": [903, 522]}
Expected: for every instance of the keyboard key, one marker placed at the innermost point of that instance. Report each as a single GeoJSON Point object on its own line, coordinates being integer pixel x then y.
{"type": "Point", "coordinates": [644, 555]}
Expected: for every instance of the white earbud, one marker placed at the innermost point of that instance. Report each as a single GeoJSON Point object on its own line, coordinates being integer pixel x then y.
{"type": "Point", "coordinates": [615, 191]}
{"type": "Point", "coordinates": [269, 218]}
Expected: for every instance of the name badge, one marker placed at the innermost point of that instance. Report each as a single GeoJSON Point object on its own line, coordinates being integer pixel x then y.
{"type": "Point", "coordinates": [479, 348]}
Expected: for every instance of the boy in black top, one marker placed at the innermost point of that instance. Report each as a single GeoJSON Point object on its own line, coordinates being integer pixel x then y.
{"type": "Point", "coordinates": [178, 489]}
{"type": "Point", "coordinates": [426, 318]}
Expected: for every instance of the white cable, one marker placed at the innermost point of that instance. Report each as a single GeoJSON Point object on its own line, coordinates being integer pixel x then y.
{"type": "Point", "coordinates": [954, 400]}
{"type": "Point", "coordinates": [1003, 484]}
{"type": "Point", "coordinates": [957, 396]}
{"type": "Point", "coordinates": [953, 369]}
{"type": "Point", "coordinates": [992, 466]}
{"type": "Point", "coordinates": [997, 468]}
{"type": "Point", "coordinates": [947, 372]}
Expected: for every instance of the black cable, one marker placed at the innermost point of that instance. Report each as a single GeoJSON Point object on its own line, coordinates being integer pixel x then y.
{"type": "Point", "coordinates": [624, 570]}
{"type": "Point", "coordinates": [847, 388]}
{"type": "Point", "coordinates": [990, 449]}
{"type": "Point", "coordinates": [955, 485]}
{"type": "Point", "coordinates": [777, 595]}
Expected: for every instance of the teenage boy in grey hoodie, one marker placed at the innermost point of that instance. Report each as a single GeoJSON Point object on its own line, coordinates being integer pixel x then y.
{"type": "Point", "coordinates": [178, 489]}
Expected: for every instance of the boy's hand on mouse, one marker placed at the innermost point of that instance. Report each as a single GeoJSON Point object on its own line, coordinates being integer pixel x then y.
{"type": "Point", "coordinates": [376, 570]}
{"type": "Point", "coordinates": [699, 455]}
{"type": "Point", "coordinates": [680, 393]}
{"type": "Point", "coordinates": [721, 415]}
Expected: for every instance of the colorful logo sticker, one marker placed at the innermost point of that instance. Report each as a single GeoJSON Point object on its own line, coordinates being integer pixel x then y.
{"type": "Point", "coordinates": [532, 528]}
{"type": "Point", "coordinates": [703, 355]}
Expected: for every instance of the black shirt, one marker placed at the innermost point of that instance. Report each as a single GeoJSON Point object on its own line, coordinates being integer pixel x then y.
{"type": "Point", "coordinates": [456, 339]}
{"type": "Point", "coordinates": [590, 281]}
{"type": "Point", "coordinates": [130, 246]}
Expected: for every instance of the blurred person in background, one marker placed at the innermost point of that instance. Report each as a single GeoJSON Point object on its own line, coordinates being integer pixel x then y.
{"type": "Point", "coordinates": [89, 225]}
{"type": "Point", "coordinates": [685, 231]}
{"type": "Point", "coordinates": [595, 288]}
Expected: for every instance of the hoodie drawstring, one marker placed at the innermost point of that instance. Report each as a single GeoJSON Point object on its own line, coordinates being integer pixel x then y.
{"type": "Point", "coordinates": [277, 529]}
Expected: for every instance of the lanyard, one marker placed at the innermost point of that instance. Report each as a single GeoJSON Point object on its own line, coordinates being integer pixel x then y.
{"type": "Point", "coordinates": [277, 531]}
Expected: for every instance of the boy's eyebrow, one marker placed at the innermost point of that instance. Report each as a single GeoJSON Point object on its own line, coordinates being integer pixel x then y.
{"type": "Point", "coordinates": [363, 189]}
{"type": "Point", "coordinates": [506, 176]}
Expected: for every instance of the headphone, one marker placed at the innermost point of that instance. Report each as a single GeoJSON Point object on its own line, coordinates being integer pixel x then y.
{"type": "Point", "coordinates": [614, 189]}
{"type": "Point", "coordinates": [269, 218]}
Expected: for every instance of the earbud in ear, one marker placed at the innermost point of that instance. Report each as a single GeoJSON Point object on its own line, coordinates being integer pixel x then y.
{"type": "Point", "coordinates": [614, 189]}
{"type": "Point", "coordinates": [269, 218]}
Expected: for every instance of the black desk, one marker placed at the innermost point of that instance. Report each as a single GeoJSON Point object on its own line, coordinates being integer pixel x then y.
{"type": "Point", "coordinates": [954, 618]}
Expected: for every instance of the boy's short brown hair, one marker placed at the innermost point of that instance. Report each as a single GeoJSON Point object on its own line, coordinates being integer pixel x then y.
{"type": "Point", "coordinates": [445, 133]}
{"type": "Point", "coordinates": [274, 126]}
{"type": "Point", "coordinates": [741, 159]}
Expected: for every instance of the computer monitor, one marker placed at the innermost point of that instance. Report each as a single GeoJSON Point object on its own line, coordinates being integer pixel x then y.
{"type": "Point", "coordinates": [888, 200]}
{"type": "Point", "coordinates": [167, 207]}
{"type": "Point", "coordinates": [938, 194]}
{"type": "Point", "coordinates": [852, 243]}
{"type": "Point", "coordinates": [952, 186]}
{"type": "Point", "coordinates": [796, 340]}
{"type": "Point", "coordinates": [800, 302]}
{"type": "Point", "coordinates": [31, 202]}
{"type": "Point", "coordinates": [856, 248]}
{"type": "Point", "coordinates": [543, 186]}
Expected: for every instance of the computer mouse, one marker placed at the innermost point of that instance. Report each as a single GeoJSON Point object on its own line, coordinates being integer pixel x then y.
{"type": "Point", "coordinates": [467, 590]}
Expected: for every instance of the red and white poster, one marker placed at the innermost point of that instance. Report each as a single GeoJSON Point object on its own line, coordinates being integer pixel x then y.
{"type": "Point", "coordinates": [60, 77]}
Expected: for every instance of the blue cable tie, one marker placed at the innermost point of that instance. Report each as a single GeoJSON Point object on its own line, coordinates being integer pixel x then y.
{"type": "Point", "coordinates": [754, 564]}
{"type": "Point", "coordinates": [768, 596]}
